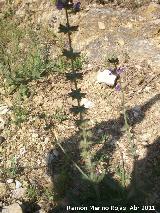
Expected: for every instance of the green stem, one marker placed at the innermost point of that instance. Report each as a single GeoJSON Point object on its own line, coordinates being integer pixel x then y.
{"type": "Point", "coordinates": [75, 164]}
{"type": "Point", "coordinates": [123, 173]}
{"type": "Point", "coordinates": [127, 127]}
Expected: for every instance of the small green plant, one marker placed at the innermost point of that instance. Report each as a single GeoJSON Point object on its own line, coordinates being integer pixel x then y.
{"type": "Point", "coordinates": [49, 194]}
{"type": "Point", "coordinates": [114, 61]}
{"type": "Point", "coordinates": [12, 171]}
{"type": "Point", "coordinates": [121, 174]}
{"type": "Point", "coordinates": [62, 65]}
{"type": "Point", "coordinates": [60, 115]}
{"type": "Point", "coordinates": [20, 114]}
{"type": "Point", "coordinates": [24, 92]}
{"type": "Point", "coordinates": [102, 139]}
{"type": "Point", "coordinates": [32, 192]}
{"type": "Point", "coordinates": [79, 62]}
{"type": "Point", "coordinates": [24, 55]}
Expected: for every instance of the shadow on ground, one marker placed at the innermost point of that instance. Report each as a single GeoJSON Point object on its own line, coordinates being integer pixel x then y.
{"type": "Point", "coordinates": [72, 189]}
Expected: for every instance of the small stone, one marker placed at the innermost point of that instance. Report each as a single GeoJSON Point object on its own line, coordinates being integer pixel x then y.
{"type": "Point", "coordinates": [147, 89]}
{"type": "Point", "coordinates": [99, 131]}
{"type": "Point", "coordinates": [136, 114]}
{"type": "Point", "coordinates": [22, 151]}
{"type": "Point", "coordinates": [146, 137]}
{"type": "Point", "coordinates": [144, 143]}
{"type": "Point", "coordinates": [101, 25]}
{"type": "Point", "coordinates": [137, 111]}
{"type": "Point", "coordinates": [12, 186]}
{"type": "Point", "coordinates": [106, 77]}
{"type": "Point", "coordinates": [3, 110]}
{"type": "Point", "coordinates": [138, 67]}
{"type": "Point", "coordinates": [55, 153]}
{"type": "Point", "coordinates": [18, 184]}
{"type": "Point", "coordinates": [87, 103]}
{"type": "Point", "coordinates": [46, 140]}
{"type": "Point", "coordinates": [121, 42]}
{"type": "Point", "coordinates": [14, 208]}
{"type": "Point", "coordinates": [129, 25]}
{"type": "Point", "coordinates": [3, 189]}
{"type": "Point", "coordinates": [35, 135]}
{"type": "Point", "coordinates": [40, 211]}
{"type": "Point", "coordinates": [9, 181]}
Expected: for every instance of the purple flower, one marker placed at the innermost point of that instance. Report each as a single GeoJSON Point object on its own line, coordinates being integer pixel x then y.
{"type": "Point", "coordinates": [119, 70]}
{"type": "Point", "coordinates": [118, 87]}
{"type": "Point", "coordinates": [76, 6]}
{"type": "Point", "coordinates": [59, 4]}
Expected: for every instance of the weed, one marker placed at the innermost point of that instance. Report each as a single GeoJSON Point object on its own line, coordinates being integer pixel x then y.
{"type": "Point", "coordinates": [102, 139]}
{"type": "Point", "coordinates": [24, 56]}
{"type": "Point", "coordinates": [49, 194]}
{"type": "Point", "coordinates": [60, 115]}
{"type": "Point", "coordinates": [12, 170]}
{"type": "Point", "coordinates": [121, 174]}
{"type": "Point", "coordinates": [79, 62]}
{"type": "Point", "coordinates": [32, 192]}
{"type": "Point", "coordinates": [20, 114]}
{"type": "Point", "coordinates": [24, 92]}
{"type": "Point", "coordinates": [62, 65]}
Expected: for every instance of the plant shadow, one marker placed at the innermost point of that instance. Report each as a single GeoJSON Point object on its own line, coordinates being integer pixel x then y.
{"type": "Point", "coordinates": [73, 190]}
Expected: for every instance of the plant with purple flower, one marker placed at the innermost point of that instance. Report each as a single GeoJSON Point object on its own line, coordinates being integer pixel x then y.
{"type": "Point", "coordinates": [68, 4]}
{"type": "Point", "coordinates": [118, 87]}
{"type": "Point", "coordinates": [76, 6]}
{"type": "Point", "coordinates": [59, 4]}
{"type": "Point", "coordinates": [119, 70]}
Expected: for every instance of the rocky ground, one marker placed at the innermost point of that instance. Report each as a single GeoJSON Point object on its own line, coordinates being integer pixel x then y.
{"type": "Point", "coordinates": [131, 33]}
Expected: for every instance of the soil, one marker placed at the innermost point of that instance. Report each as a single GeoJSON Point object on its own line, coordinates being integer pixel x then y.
{"type": "Point", "coordinates": [133, 36]}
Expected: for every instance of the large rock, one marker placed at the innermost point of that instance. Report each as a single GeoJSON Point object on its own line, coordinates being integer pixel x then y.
{"type": "Point", "coordinates": [18, 193]}
{"type": "Point", "coordinates": [107, 30]}
{"type": "Point", "coordinates": [14, 208]}
{"type": "Point", "coordinates": [133, 33]}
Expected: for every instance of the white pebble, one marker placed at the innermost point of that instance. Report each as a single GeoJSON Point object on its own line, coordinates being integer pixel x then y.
{"type": "Point", "coordinates": [18, 184]}
{"type": "Point", "coordinates": [4, 109]}
{"type": "Point", "coordinates": [106, 77]}
{"type": "Point", "coordinates": [9, 181]}
{"type": "Point", "coordinates": [87, 103]}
